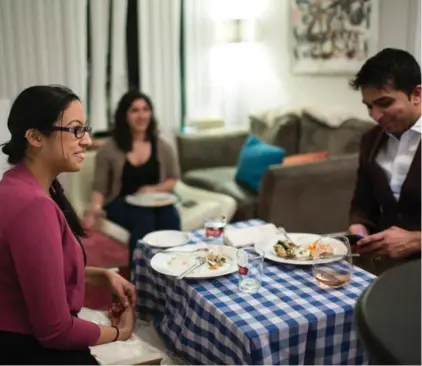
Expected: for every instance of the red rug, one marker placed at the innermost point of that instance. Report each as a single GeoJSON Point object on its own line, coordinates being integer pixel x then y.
{"type": "Point", "coordinates": [105, 252]}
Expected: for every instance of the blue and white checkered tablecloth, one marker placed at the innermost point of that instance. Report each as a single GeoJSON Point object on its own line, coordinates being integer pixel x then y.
{"type": "Point", "coordinates": [289, 321]}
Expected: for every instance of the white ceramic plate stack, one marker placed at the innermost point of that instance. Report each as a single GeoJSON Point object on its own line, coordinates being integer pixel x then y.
{"type": "Point", "coordinates": [173, 263]}
{"type": "Point", "coordinates": [153, 199]}
{"type": "Point", "coordinates": [166, 238]}
{"type": "Point", "coordinates": [302, 240]}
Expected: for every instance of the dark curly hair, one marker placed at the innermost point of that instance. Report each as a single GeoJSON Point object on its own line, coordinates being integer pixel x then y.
{"type": "Point", "coordinates": [121, 132]}
{"type": "Point", "coordinates": [38, 107]}
{"type": "Point", "coordinates": [393, 67]}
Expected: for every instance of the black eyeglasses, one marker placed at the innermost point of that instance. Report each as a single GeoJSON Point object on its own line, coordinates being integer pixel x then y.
{"type": "Point", "coordinates": [79, 132]}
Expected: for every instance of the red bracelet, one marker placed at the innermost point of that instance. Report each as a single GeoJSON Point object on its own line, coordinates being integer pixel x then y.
{"type": "Point", "coordinates": [117, 333]}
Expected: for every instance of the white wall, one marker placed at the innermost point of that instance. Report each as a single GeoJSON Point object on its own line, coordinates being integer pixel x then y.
{"type": "Point", "coordinates": [284, 87]}
{"type": "Point", "coordinates": [239, 79]}
{"type": "Point", "coordinates": [400, 25]}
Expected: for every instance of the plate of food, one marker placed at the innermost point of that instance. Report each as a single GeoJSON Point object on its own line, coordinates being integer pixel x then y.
{"type": "Point", "coordinates": [219, 260]}
{"type": "Point", "coordinates": [153, 199]}
{"type": "Point", "coordinates": [301, 249]}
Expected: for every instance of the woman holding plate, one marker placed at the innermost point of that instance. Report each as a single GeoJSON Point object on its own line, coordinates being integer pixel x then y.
{"type": "Point", "coordinates": [135, 160]}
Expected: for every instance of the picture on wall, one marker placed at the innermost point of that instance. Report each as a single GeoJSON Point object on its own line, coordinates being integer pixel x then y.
{"type": "Point", "coordinates": [332, 36]}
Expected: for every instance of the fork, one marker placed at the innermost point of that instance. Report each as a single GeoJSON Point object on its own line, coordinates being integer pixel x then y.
{"type": "Point", "coordinates": [184, 251]}
{"type": "Point", "coordinates": [283, 231]}
{"type": "Point", "coordinates": [199, 262]}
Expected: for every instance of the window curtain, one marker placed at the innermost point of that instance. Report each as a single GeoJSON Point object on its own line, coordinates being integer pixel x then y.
{"type": "Point", "coordinates": [42, 42]}
{"type": "Point", "coordinates": [132, 44]}
{"type": "Point", "coordinates": [224, 80]}
{"type": "Point", "coordinates": [203, 92]}
{"type": "Point", "coordinates": [118, 55]}
{"type": "Point", "coordinates": [99, 17]}
{"type": "Point", "coordinates": [107, 62]}
{"type": "Point", "coordinates": [159, 63]}
{"type": "Point", "coordinates": [4, 132]}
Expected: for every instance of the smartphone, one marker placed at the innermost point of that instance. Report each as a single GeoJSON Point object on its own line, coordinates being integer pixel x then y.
{"type": "Point", "coordinates": [353, 240]}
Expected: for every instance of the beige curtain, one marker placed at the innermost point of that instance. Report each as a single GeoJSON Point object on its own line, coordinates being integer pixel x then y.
{"type": "Point", "coordinates": [158, 26]}
{"type": "Point", "coordinates": [42, 42]}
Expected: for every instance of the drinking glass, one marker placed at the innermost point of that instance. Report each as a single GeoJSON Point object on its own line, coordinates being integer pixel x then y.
{"type": "Point", "coordinates": [251, 267]}
{"type": "Point", "coordinates": [335, 271]}
{"type": "Point", "coordinates": [214, 226]}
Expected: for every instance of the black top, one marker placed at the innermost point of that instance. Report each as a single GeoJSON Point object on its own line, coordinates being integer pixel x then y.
{"type": "Point", "coordinates": [135, 177]}
{"type": "Point", "coordinates": [389, 316]}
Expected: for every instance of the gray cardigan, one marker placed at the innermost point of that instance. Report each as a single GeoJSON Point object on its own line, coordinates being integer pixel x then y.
{"type": "Point", "coordinates": [110, 161]}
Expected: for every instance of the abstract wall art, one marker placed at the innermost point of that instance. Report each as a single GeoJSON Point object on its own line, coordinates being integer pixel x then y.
{"type": "Point", "coordinates": [332, 36]}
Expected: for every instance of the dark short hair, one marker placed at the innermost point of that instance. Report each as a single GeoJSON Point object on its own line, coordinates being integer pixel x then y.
{"type": "Point", "coordinates": [121, 132]}
{"type": "Point", "coordinates": [393, 67]}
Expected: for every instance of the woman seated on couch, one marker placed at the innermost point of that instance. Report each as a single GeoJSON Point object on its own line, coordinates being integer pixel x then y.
{"type": "Point", "coordinates": [42, 272]}
{"type": "Point", "coordinates": [135, 159]}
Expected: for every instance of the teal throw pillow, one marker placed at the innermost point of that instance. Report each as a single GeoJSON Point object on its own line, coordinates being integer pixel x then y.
{"type": "Point", "coordinates": [254, 159]}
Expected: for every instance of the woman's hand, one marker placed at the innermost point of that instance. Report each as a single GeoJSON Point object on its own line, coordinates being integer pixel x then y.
{"type": "Point", "coordinates": [122, 318]}
{"type": "Point", "coordinates": [123, 289]}
{"type": "Point", "coordinates": [147, 189]}
{"type": "Point", "coordinates": [166, 186]}
{"type": "Point", "coordinates": [91, 216]}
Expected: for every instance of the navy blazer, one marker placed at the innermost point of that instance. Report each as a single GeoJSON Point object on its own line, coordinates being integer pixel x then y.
{"type": "Point", "coordinates": [373, 203]}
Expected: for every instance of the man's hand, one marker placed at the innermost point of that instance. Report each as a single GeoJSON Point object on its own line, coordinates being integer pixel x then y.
{"type": "Point", "coordinates": [358, 229]}
{"type": "Point", "coordinates": [393, 242]}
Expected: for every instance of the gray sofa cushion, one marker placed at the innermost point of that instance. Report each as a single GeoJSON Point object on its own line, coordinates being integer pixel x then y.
{"type": "Point", "coordinates": [315, 136]}
{"type": "Point", "coordinates": [283, 131]}
{"type": "Point", "coordinates": [220, 180]}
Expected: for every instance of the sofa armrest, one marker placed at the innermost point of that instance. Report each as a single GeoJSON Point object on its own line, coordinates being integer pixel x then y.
{"type": "Point", "coordinates": [312, 197]}
{"type": "Point", "coordinates": [209, 149]}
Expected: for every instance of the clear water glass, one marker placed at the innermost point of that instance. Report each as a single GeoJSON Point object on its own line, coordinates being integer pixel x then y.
{"type": "Point", "coordinates": [251, 267]}
{"type": "Point", "coordinates": [214, 226]}
{"type": "Point", "coordinates": [337, 271]}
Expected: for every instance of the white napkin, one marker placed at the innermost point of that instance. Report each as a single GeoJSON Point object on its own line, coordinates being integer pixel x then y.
{"type": "Point", "coordinates": [131, 352]}
{"type": "Point", "coordinates": [248, 236]}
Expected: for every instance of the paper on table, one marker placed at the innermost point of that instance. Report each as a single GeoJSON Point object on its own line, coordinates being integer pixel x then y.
{"type": "Point", "coordinates": [242, 237]}
{"type": "Point", "coordinates": [130, 352]}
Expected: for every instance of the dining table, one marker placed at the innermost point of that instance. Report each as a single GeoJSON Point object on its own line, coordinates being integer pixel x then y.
{"type": "Point", "coordinates": [289, 320]}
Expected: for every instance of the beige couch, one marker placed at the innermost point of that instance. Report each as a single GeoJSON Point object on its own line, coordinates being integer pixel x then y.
{"type": "Point", "coordinates": [207, 203]}
{"type": "Point", "coordinates": [312, 197]}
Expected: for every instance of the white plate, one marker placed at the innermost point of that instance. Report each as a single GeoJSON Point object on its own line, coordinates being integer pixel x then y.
{"type": "Point", "coordinates": [166, 238]}
{"type": "Point", "coordinates": [174, 264]}
{"type": "Point", "coordinates": [300, 239]}
{"type": "Point", "coordinates": [153, 199]}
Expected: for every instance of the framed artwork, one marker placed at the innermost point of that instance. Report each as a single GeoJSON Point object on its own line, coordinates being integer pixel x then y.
{"type": "Point", "coordinates": [332, 36]}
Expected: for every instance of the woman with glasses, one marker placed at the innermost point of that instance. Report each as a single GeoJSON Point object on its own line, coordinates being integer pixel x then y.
{"type": "Point", "coordinates": [135, 159]}
{"type": "Point", "coordinates": [42, 261]}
